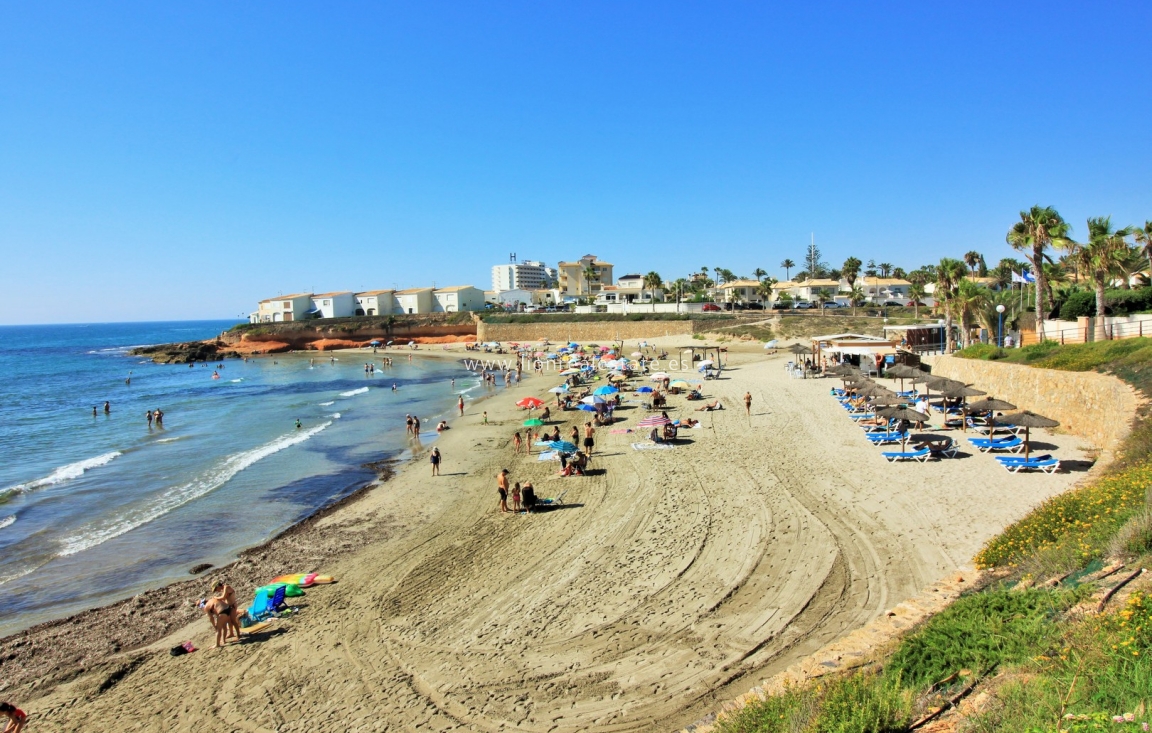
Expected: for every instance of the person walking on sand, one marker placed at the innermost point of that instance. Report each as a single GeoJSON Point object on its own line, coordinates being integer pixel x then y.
{"type": "Point", "coordinates": [16, 717]}
{"type": "Point", "coordinates": [502, 489]}
{"type": "Point", "coordinates": [748, 403]}
{"type": "Point", "coordinates": [434, 458]}
{"type": "Point", "coordinates": [589, 442]}
{"type": "Point", "coordinates": [460, 405]}
{"type": "Point", "coordinates": [484, 421]}
{"type": "Point", "coordinates": [517, 443]}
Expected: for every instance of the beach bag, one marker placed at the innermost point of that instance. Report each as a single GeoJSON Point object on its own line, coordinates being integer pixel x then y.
{"type": "Point", "coordinates": [181, 649]}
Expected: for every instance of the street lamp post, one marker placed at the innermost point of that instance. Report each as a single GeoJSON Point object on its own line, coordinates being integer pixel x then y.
{"type": "Point", "coordinates": [1000, 326]}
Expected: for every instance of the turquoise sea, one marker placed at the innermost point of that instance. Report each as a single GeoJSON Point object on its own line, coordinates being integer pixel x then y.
{"type": "Point", "coordinates": [98, 508]}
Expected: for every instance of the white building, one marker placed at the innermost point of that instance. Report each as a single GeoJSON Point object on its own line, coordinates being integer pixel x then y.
{"type": "Point", "coordinates": [334, 305]}
{"type": "Point", "coordinates": [415, 300]}
{"type": "Point", "coordinates": [457, 298]}
{"type": "Point", "coordinates": [526, 275]}
{"type": "Point", "coordinates": [375, 302]}
{"type": "Point", "coordinates": [282, 308]}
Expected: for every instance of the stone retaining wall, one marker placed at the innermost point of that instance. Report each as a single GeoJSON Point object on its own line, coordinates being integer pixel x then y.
{"type": "Point", "coordinates": [585, 332]}
{"type": "Point", "coordinates": [1097, 407]}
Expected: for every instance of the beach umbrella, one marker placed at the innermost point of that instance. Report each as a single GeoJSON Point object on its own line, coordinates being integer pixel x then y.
{"type": "Point", "coordinates": [644, 390]}
{"type": "Point", "coordinates": [799, 349]}
{"type": "Point", "coordinates": [680, 384]}
{"type": "Point", "coordinates": [563, 446]}
{"type": "Point", "coordinates": [705, 364]}
{"type": "Point", "coordinates": [987, 405]}
{"type": "Point", "coordinates": [530, 403]}
{"type": "Point", "coordinates": [658, 377]}
{"type": "Point", "coordinates": [653, 421]}
{"type": "Point", "coordinates": [884, 399]}
{"type": "Point", "coordinates": [1027, 420]}
{"type": "Point", "coordinates": [606, 389]}
{"type": "Point", "coordinates": [568, 372]}
{"type": "Point", "coordinates": [903, 413]}
{"type": "Point", "coordinates": [559, 390]}
{"type": "Point", "coordinates": [533, 423]}
{"type": "Point", "coordinates": [593, 400]}
{"type": "Point", "coordinates": [875, 390]}
{"type": "Point", "coordinates": [374, 342]}
{"type": "Point", "coordinates": [617, 378]}
{"type": "Point", "coordinates": [771, 344]}
{"type": "Point", "coordinates": [636, 353]}
{"type": "Point", "coordinates": [587, 408]}
{"type": "Point", "coordinates": [901, 372]}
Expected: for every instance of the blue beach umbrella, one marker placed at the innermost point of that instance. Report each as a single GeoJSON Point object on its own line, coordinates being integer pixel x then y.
{"type": "Point", "coordinates": [644, 389]}
{"type": "Point", "coordinates": [606, 389]}
{"type": "Point", "coordinates": [563, 446]}
{"type": "Point", "coordinates": [587, 408]}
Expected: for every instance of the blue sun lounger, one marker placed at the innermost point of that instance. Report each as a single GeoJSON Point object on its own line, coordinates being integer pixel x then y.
{"type": "Point", "coordinates": [986, 445]}
{"type": "Point", "coordinates": [1047, 464]}
{"type": "Point", "coordinates": [921, 455]}
{"type": "Point", "coordinates": [264, 606]}
{"type": "Point", "coordinates": [883, 438]}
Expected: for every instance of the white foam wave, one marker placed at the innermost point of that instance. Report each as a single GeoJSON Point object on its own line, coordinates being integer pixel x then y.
{"type": "Point", "coordinates": [177, 496]}
{"type": "Point", "coordinates": [353, 392]}
{"type": "Point", "coordinates": [7, 521]}
{"type": "Point", "coordinates": [62, 474]}
{"type": "Point", "coordinates": [172, 439]}
{"type": "Point", "coordinates": [326, 404]}
{"type": "Point", "coordinates": [335, 415]}
{"type": "Point", "coordinates": [13, 576]}
{"type": "Point", "coordinates": [237, 380]}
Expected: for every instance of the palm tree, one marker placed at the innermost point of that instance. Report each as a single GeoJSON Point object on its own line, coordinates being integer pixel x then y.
{"type": "Point", "coordinates": [823, 295]}
{"type": "Point", "coordinates": [719, 272]}
{"type": "Point", "coordinates": [1144, 239]}
{"type": "Point", "coordinates": [898, 272]}
{"type": "Point", "coordinates": [1039, 228]}
{"type": "Point", "coordinates": [916, 292]}
{"type": "Point", "coordinates": [968, 300]}
{"type": "Point", "coordinates": [1101, 258]}
{"type": "Point", "coordinates": [764, 289]}
{"type": "Point", "coordinates": [851, 270]}
{"type": "Point", "coordinates": [787, 265]}
{"type": "Point", "coordinates": [591, 274]}
{"type": "Point", "coordinates": [885, 269]}
{"type": "Point", "coordinates": [759, 273]}
{"type": "Point", "coordinates": [1132, 267]}
{"type": "Point", "coordinates": [855, 297]}
{"type": "Point", "coordinates": [949, 273]}
{"type": "Point", "coordinates": [972, 258]}
{"type": "Point", "coordinates": [652, 282]}
{"type": "Point", "coordinates": [990, 318]}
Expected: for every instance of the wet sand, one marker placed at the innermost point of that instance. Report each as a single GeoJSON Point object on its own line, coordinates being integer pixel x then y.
{"type": "Point", "coordinates": [668, 580]}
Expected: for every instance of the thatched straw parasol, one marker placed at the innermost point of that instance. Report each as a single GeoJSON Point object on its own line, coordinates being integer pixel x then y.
{"type": "Point", "coordinates": [903, 413]}
{"type": "Point", "coordinates": [1027, 420]}
{"type": "Point", "coordinates": [799, 349]}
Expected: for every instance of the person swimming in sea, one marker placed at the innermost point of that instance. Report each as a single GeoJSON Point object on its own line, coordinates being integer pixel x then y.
{"type": "Point", "coordinates": [298, 424]}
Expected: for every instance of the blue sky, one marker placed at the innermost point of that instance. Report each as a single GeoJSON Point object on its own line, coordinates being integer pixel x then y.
{"type": "Point", "coordinates": [183, 160]}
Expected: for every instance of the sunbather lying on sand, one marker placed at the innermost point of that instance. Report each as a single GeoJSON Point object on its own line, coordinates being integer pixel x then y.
{"type": "Point", "coordinates": [713, 405]}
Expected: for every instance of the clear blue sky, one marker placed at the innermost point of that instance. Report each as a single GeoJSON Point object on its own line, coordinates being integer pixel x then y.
{"type": "Point", "coordinates": [183, 160]}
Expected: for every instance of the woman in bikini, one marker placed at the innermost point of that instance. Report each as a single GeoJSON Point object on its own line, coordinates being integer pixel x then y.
{"type": "Point", "coordinates": [225, 592]}
{"type": "Point", "coordinates": [16, 717]}
{"type": "Point", "coordinates": [220, 616]}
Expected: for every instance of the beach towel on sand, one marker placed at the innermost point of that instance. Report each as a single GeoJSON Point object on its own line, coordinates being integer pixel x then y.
{"type": "Point", "coordinates": [620, 430]}
{"type": "Point", "coordinates": [652, 446]}
{"type": "Point", "coordinates": [549, 456]}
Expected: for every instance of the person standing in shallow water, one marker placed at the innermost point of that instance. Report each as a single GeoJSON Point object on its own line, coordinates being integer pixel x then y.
{"type": "Point", "coordinates": [107, 408]}
{"type": "Point", "coordinates": [149, 416]}
{"type": "Point", "coordinates": [460, 404]}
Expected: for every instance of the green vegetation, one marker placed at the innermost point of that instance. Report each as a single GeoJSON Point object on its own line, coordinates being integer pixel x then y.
{"type": "Point", "coordinates": [602, 317]}
{"type": "Point", "coordinates": [1049, 666]}
{"type": "Point", "coordinates": [1117, 303]}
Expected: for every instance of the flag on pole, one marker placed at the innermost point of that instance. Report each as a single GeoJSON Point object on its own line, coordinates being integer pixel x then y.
{"type": "Point", "coordinates": [1023, 277]}
{"type": "Point", "coordinates": [1017, 277]}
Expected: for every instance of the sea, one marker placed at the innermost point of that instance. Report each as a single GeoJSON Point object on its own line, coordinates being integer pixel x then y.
{"type": "Point", "coordinates": [98, 507]}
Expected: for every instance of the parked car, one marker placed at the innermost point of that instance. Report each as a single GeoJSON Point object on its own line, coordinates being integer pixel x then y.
{"type": "Point", "coordinates": [710, 307]}
{"type": "Point", "coordinates": [833, 304]}
{"type": "Point", "coordinates": [754, 306]}
{"type": "Point", "coordinates": [893, 304]}
{"type": "Point", "coordinates": [801, 305]}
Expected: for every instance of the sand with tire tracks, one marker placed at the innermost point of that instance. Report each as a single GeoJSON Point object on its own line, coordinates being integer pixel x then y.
{"type": "Point", "coordinates": [668, 581]}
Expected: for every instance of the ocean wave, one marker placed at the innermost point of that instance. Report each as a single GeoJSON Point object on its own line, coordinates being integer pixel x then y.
{"type": "Point", "coordinates": [237, 380]}
{"type": "Point", "coordinates": [7, 521]}
{"type": "Point", "coordinates": [353, 392]}
{"type": "Point", "coordinates": [172, 439]}
{"type": "Point", "coordinates": [13, 576]}
{"type": "Point", "coordinates": [100, 532]}
{"type": "Point", "coordinates": [62, 474]}
{"type": "Point", "coordinates": [335, 415]}
{"type": "Point", "coordinates": [327, 404]}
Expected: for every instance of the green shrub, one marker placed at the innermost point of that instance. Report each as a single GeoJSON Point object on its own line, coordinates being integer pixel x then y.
{"type": "Point", "coordinates": [977, 632]}
{"type": "Point", "coordinates": [864, 702]}
{"type": "Point", "coordinates": [1124, 302]}
{"type": "Point", "coordinates": [1077, 305]}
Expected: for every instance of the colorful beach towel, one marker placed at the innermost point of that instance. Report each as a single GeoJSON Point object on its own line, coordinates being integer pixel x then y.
{"type": "Point", "coordinates": [550, 455]}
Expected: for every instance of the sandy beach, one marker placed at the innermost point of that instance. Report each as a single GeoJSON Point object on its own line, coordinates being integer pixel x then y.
{"type": "Point", "coordinates": [668, 580]}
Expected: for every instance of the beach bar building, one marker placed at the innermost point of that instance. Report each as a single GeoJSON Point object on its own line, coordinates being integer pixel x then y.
{"type": "Point", "coordinates": [282, 308]}
{"type": "Point", "coordinates": [867, 352]}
